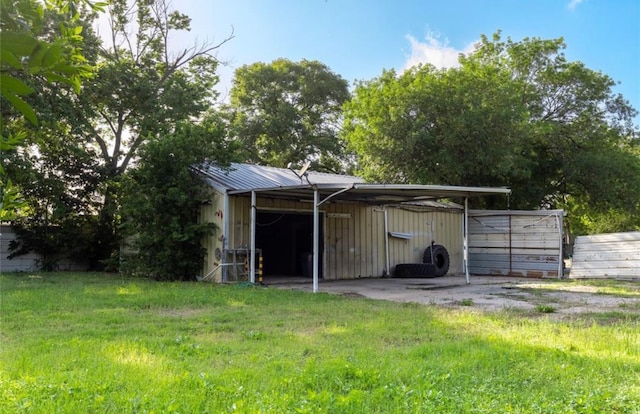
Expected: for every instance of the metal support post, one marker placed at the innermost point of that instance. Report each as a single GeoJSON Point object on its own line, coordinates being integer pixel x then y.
{"type": "Point", "coordinates": [316, 246]}
{"type": "Point", "coordinates": [252, 252]}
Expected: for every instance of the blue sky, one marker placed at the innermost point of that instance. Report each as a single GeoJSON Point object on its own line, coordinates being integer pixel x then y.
{"type": "Point", "coordinates": [357, 39]}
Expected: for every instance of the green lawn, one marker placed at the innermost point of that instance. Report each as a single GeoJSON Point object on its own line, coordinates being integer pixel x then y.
{"type": "Point", "coordinates": [76, 343]}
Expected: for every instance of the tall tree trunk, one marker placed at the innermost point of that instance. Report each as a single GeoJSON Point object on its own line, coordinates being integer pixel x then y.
{"type": "Point", "coordinates": [106, 242]}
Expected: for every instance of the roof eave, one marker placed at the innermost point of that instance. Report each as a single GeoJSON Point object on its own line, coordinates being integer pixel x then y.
{"type": "Point", "coordinates": [437, 188]}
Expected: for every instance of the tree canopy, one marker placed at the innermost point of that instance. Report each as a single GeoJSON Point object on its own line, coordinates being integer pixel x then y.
{"type": "Point", "coordinates": [514, 114]}
{"type": "Point", "coordinates": [25, 59]}
{"type": "Point", "coordinates": [288, 111]}
{"type": "Point", "coordinates": [86, 140]}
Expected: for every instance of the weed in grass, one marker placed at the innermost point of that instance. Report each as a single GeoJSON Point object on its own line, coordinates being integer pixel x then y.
{"type": "Point", "coordinates": [466, 302]}
{"type": "Point", "coordinates": [545, 308]}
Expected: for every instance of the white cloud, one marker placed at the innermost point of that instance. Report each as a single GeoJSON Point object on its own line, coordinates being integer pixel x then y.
{"type": "Point", "coordinates": [573, 4]}
{"type": "Point", "coordinates": [434, 51]}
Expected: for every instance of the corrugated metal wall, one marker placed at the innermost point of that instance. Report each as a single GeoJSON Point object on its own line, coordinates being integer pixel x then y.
{"type": "Point", "coordinates": [442, 226]}
{"type": "Point", "coordinates": [515, 243]}
{"type": "Point", "coordinates": [213, 213]}
{"type": "Point", "coordinates": [613, 255]}
{"type": "Point", "coordinates": [354, 238]}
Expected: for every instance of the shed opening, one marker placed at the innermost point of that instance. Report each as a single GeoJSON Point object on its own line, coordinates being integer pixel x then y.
{"type": "Point", "coordinates": [286, 240]}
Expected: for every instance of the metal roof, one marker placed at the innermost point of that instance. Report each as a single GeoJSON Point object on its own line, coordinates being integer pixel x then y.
{"type": "Point", "coordinates": [284, 183]}
{"type": "Point", "coordinates": [249, 176]}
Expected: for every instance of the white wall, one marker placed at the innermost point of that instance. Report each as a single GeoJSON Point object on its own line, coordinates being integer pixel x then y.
{"type": "Point", "coordinates": [613, 255]}
{"type": "Point", "coordinates": [28, 262]}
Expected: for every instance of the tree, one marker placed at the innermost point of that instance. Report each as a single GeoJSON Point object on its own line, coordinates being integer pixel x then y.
{"type": "Point", "coordinates": [287, 111]}
{"type": "Point", "coordinates": [514, 114]}
{"type": "Point", "coordinates": [61, 188]}
{"type": "Point", "coordinates": [141, 89]}
{"type": "Point", "coordinates": [163, 199]}
{"type": "Point", "coordinates": [23, 58]}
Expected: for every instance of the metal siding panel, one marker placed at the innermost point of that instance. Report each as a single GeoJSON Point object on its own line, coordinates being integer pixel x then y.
{"type": "Point", "coordinates": [366, 245]}
{"type": "Point", "coordinates": [531, 248]}
{"type": "Point", "coordinates": [613, 255]}
{"type": "Point", "coordinates": [242, 224]}
{"type": "Point", "coordinates": [480, 271]}
{"type": "Point", "coordinates": [534, 241]}
{"type": "Point", "coordinates": [607, 256]}
{"type": "Point", "coordinates": [488, 240]}
{"type": "Point", "coordinates": [330, 248]}
{"type": "Point", "coordinates": [359, 243]}
{"type": "Point", "coordinates": [396, 246]}
{"type": "Point", "coordinates": [379, 237]}
{"type": "Point", "coordinates": [447, 230]}
{"type": "Point", "coordinates": [506, 250]}
{"type": "Point", "coordinates": [213, 213]}
{"type": "Point", "coordinates": [622, 247]}
{"type": "Point", "coordinates": [500, 260]}
{"type": "Point", "coordinates": [629, 237]}
{"type": "Point", "coordinates": [342, 247]}
{"type": "Point", "coordinates": [371, 239]}
{"type": "Point", "coordinates": [351, 253]}
{"type": "Point", "coordinates": [456, 250]}
{"type": "Point", "coordinates": [396, 250]}
{"type": "Point", "coordinates": [369, 220]}
{"type": "Point", "coordinates": [519, 222]}
{"type": "Point", "coordinates": [415, 227]}
{"type": "Point", "coordinates": [488, 225]}
{"type": "Point", "coordinates": [544, 263]}
{"type": "Point", "coordinates": [610, 265]}
{"type": "Point", "coordinates": [606, 274]}
{"type": "Point", "coordinates": [393, 247]}
{"type": "Point", "coordinates": [351, 257]}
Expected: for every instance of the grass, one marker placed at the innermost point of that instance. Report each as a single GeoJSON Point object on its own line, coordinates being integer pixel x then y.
{"type": "Point", "coordinates": [542, 308]}
{"type": "Point", "coordinates": [619, 288]}
{"type": "Point", "coordinates": [100, 343]}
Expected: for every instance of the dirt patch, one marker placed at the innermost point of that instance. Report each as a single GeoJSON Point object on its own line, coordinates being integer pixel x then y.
{"type": "Point", "coordinates": [181, 313]}
{"type": "Point", "coordinates": [352, 295]}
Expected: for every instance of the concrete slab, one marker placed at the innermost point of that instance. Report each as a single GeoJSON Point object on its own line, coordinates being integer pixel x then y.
{"type": "Point", "coordinates": [483, 292]}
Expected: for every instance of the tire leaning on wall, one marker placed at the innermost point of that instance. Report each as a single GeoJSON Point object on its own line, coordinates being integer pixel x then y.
{"type": "Point", "coordinates": [438, 255]}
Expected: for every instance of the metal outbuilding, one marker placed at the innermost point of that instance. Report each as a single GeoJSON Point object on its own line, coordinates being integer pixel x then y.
{"type": "Point", "coordinates": [333, 226]}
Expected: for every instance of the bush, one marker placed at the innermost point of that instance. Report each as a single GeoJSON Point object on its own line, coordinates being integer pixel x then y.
{"type": "Point", "coordinates": [162, 200]}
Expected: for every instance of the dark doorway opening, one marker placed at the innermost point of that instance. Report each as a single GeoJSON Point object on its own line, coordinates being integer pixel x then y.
{"type": "Point", "coordinates": [286, 240]}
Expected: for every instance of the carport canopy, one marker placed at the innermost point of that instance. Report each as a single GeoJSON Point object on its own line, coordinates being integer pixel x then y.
{"type": "Point", "coordinates": [376, 194]}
